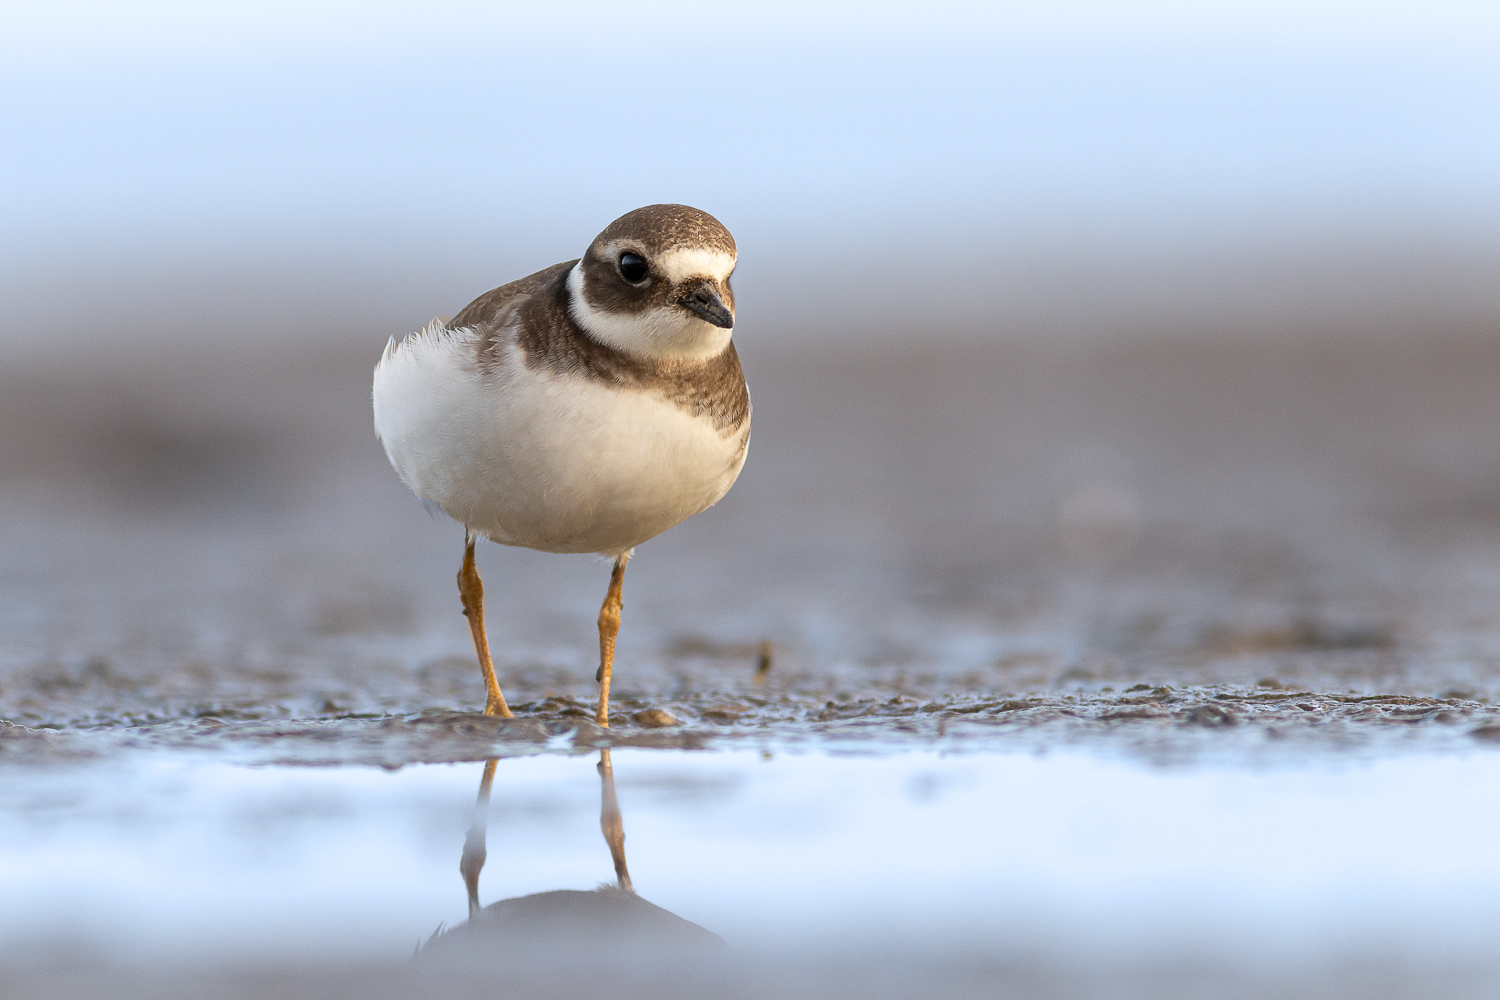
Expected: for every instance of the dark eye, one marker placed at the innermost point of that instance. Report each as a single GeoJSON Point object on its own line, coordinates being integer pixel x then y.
{"type": "Point", "coordinates": [632, 267]}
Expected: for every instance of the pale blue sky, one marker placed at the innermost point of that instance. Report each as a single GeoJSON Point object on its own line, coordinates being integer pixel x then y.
{"type": "Point", "coordinates": [475, 140]}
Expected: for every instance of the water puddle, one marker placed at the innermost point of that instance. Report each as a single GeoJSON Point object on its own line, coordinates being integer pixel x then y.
{"type": "Point", "coordinates": [978, 861]}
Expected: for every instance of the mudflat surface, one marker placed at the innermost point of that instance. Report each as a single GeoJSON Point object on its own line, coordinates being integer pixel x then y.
{"type": "Point", "coordinates": [1000, 534]}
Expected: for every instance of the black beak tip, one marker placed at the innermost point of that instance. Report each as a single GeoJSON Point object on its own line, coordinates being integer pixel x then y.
{"type": "Point", "coordinates": [710, 308]}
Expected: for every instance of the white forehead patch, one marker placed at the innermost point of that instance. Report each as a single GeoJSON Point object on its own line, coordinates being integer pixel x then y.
{"type": "Point", "coordinates": [688, 262]}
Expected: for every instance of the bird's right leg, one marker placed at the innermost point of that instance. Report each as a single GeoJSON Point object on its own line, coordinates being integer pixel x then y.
{"type": "Point", "coordinates": [471, 590]}
{"type": "Point", "coordinates": [609, 627]}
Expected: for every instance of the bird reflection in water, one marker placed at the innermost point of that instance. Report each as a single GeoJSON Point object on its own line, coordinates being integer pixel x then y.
{"type": "Point", "coordinates": [610, 924]}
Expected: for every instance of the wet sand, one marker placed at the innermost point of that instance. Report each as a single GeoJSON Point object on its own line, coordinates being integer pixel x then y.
{"type": "Point", "coordinates": [929, 531]}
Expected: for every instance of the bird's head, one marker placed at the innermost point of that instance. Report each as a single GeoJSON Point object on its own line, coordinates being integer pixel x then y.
{"type": "Point", "coordinates": [655, 284]}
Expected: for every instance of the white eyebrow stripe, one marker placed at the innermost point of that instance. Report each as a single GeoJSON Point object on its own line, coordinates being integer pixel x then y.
{"type": "Point", "coordinates": [685, 262]}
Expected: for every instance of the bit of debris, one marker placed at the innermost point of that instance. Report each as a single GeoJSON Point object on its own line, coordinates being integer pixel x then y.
{"type": "Point", "coordinates": [763, 664]}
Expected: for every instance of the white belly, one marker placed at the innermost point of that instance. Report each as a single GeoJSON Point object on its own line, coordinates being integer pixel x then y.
{"type": "Point", "coordinates": [558, 463]}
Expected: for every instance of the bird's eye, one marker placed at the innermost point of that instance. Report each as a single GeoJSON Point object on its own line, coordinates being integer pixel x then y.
{"type": "Point", "coordinates": [632, 267]}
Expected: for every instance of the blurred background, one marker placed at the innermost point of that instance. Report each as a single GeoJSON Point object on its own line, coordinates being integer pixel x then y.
{"type": "Point", "coordinates": [182, 171]}
{"type": "Point", "coordinates": [1089, 341]}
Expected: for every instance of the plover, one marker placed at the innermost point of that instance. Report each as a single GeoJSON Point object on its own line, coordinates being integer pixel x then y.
{"type": "Point", "coordinates": [585, 408]}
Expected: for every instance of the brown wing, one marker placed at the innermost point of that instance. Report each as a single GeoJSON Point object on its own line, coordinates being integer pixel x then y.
{"type": "Point", "coordinates": [491, 308]}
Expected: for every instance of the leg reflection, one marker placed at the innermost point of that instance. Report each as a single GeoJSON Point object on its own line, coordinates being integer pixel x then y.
{"type": "Point", "coordinates": [544, 932]}
{"type": "Point", "coordinates": [472, 862]}
{"type": "Point", "coordinates": [610, 820]}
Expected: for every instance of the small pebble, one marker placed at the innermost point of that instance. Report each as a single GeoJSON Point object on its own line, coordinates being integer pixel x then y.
{"type": "Point", "coordinates": [1211, 715]}
{"type": "Point", "coordinates": [654, 718]}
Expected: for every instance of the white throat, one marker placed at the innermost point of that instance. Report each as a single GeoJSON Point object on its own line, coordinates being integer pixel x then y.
{"type": "Point", "coordinates": [666, 332]}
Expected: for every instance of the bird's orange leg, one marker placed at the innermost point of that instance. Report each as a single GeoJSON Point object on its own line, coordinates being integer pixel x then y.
{"type": "Point", "coordinates": [609, 627]}
{"type": "Point", "coordinates": [610, 821]}
{"type": "Point", "coordinates": [471, 591]}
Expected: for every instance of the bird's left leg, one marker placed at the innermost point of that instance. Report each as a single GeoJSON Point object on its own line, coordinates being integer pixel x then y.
{"type": "Point", "coordinates": [609, 627]}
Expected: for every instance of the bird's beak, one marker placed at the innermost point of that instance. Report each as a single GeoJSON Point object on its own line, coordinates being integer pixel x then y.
{"type": "Point", "coordinates": [707, 303]}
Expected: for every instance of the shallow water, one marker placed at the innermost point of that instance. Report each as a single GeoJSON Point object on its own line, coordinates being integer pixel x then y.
{"type": "Point", "coordinates": [997, 861]}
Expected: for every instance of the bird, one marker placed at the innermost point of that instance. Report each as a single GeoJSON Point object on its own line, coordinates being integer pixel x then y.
{"type": "Point", "coordinates": [586, 408]}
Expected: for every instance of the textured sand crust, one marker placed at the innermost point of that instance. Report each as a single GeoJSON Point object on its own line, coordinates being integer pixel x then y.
{"type": "Point", "coordinates": [1170, 726]}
